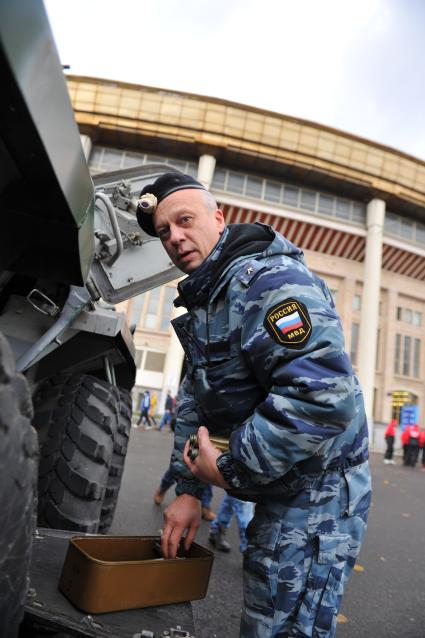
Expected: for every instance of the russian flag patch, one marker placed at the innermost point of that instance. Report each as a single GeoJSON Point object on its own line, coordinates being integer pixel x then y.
{"type": "Point", "coordinates": [289, 323]}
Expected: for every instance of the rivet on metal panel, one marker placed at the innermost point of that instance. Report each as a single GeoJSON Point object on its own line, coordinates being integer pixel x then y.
{"type": "Point", "coordinates": [90, 622]}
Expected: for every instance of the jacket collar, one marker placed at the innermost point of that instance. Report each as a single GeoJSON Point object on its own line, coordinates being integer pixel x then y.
{"type": "Point", "coordinates": [236, 243]}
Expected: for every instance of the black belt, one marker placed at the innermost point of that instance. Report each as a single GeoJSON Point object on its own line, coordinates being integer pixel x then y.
{"type": "Point", "coordinates": [296, 479]}
{"type": "Point", "coordinates": [313, 465]}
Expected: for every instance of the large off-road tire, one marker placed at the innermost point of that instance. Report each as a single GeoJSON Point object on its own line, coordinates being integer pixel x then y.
{"type": "Point", "coordinates": [118, 460]}
{"type": "Point", "coordinates": [77, 418]}
{"type": "Point", "coordinates": [18, 482]}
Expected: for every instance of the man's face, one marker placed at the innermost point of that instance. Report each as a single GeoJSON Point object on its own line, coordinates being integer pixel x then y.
{"type": "Point", "coordinates": [188, 227]}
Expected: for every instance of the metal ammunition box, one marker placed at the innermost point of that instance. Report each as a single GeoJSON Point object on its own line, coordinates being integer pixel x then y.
{"type": "Point", "coordinates": [111, 573]}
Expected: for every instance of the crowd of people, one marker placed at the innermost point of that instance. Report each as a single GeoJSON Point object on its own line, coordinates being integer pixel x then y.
{"type": "Point", "coordinates": [412, 439]}
{"type": "Point", "coordinates": [148, 411]}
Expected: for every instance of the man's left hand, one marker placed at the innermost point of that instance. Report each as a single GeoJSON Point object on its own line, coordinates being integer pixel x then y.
{"type": "Point", "coordinates": [204, 467]}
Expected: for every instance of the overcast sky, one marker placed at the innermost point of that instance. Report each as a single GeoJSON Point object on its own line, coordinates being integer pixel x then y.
{"type": "Point", "coordinates": [354, 65]}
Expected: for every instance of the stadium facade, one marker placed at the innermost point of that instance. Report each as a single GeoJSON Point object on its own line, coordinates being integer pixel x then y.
{"type": "Point", "coordinates": [356, 208]}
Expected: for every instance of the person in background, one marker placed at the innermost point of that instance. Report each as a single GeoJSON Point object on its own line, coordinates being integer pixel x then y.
{"type": "Point", "coordinates": [152, 410]}
{"type": "Point", "coordinates": [145, 405]}
{"type": "Point", "coordinates": [168, 413]}
{"type": "Point", "coordinates": [412, 438]}
{"type": "Point", "coordinates": [422, 446]}
{"type": "Point", "coordinates": [405, 436]}
{"type": "Point", "coordinates": [229, 506]}
{"type": "Point", "coordinates": [389, 439]}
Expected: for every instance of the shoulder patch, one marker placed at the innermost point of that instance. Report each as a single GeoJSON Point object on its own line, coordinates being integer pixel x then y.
{"type": "Point", "coordinates": [250, 270]}
{"type": "Point", "coordinates": [289, 323]}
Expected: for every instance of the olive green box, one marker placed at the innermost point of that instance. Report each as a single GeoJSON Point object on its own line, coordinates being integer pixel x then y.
{"type": "Point", "coordinates": [112, 573]}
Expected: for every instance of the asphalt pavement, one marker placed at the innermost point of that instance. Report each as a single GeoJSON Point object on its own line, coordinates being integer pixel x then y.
{"type": "Point", "coordinates": [385, 596]}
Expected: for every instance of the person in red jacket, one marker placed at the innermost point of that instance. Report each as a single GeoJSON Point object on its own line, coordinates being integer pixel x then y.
{"type": "Point", "coordinates": [405, 436]}
{"type": "Point", "coordinates": [422, 446]}
{"type": "Point", "coordinates": [389, 440]}
{"type": "Point", "coordinates": [412, 441]}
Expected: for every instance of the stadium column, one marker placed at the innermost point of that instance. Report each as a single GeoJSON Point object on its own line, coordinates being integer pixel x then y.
{"type": "Point", "coordinates": [87, 146]}
{"type": "Point", "coordinates": [369, 317]}
{"type": "Point", "coordinates": [206, 168]}
{"type": "Point", "coordinates": [173, 362]}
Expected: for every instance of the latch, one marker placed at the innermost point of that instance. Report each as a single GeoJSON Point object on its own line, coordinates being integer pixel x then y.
{"type": "Point", "coordinates": [42, 303]}
{"type": "Point", "coordinates": [173, 632]}
{"type": "Point", "coordinates": [178, 632]}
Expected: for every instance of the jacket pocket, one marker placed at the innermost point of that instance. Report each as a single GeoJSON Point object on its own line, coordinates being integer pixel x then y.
{"type": "Point", "coordinates": [261, 569]}
{"type": "Point", "coordinates": [356, 497]}
{"type": "Point", "coordinates": [325, 582]}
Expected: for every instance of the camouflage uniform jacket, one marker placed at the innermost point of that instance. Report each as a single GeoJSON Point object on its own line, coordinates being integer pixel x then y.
{"type": "Point", "coordinates": [266, 366]}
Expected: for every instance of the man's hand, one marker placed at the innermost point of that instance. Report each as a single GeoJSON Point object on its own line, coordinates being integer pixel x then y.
{"type": "Point", "coordinates": [204, 467]}
{"type": "Point", "coordinates": [184, 514]}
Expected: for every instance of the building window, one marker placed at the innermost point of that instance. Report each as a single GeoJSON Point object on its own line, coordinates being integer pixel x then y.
{"type": "Point", "coordinates": [152, 310]}
{"type": "Point", "coordinates": [407, 359]}
{"type": "Point", "coordinates": [409, 229]}
{"type": "Point", "coordinates": [378, 340]}
{"type": "Point", "coordinates": [290, 196]}
{"type": "Point", "coordinates": [254, 187]}
{"type": "Point", "coordinates": [219, 179]}
{"type": "Point", "coordinates": [326, 204]}
{"type": "Point", "coordinates": [308, 200]}
{"type": "Point", "coordinates": [136, 309]}
{"type": "Point", "coordinates": [357, 302]}
{"type": "Point", "coordinates": [235, 182]}
{"type": "Point", "coordinates": [150, 360]}
{"type": "Point", "coordinates": [409, 316]}
{"type": "Point", "coordinates": [139, 358]}
{"type": "Point", "coordinates": [397, 354]}
{"type": "Point", "coordinates": [406, 355]}
{"type": "Point", "coordinates": [272, 192]}
{"type": "Point", "coordinates": [157, 308]}
{"type": "Point", "coordinates": [105, 159]}
{"type": "Point", "coordinates": [155, 361]}
{"type": "Point", "coordinates": [420, 233]}
{"type": "Point", "coordinates": [417, 358]}
{"type": "Point", "coordinates": [354, 342]}
{"type": "Point", "coordinates": [406, 228]}
{"type": "Point", "coordinates": [167, 308]}
{"type": "Point", "coordinates": [342, 208]}
{"type": "Point", "coordinates": [417, 319]}
{"type": "Point", "coordinates": [358, 214]}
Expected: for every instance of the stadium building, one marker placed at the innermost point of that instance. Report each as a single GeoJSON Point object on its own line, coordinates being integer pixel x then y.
{"type": "Point", "coordinates": [356, 208]}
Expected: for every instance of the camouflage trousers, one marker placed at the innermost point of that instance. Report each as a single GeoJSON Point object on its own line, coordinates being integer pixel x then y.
{"type": "Point", "coordinates": [301, 550]}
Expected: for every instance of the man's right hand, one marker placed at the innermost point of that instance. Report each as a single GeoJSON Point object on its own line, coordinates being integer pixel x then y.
{"type": "Point", "coordinates": [184, 514]}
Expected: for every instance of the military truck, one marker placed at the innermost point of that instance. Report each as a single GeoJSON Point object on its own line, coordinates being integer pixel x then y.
{"type": "Point", "coordinates": [70, 249]}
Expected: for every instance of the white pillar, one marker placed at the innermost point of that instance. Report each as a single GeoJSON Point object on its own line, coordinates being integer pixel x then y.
{"type": "Point", "coordinates": [173, 363]}
{"type": "Point", "coordinates": [369, 317]}
{"type": "Point", "coordinates": [87, 146]}
{"type": "Point", "coordinates": [206, 168]}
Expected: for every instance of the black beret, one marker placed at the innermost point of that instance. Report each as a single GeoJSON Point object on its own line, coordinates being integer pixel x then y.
{"type": "Point", "coordinates": [160, 189]}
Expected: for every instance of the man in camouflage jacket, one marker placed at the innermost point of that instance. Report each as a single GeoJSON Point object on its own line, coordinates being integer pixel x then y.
{"type": "Point", "coordinates": [266, 368]}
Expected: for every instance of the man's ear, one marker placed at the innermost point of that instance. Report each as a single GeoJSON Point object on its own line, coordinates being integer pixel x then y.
{"type": "Point", "coordinates": [219, 217]}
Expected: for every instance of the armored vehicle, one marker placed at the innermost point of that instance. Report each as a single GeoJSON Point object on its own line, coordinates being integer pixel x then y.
{"type": "Point", "coordinates": [69, 250]}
